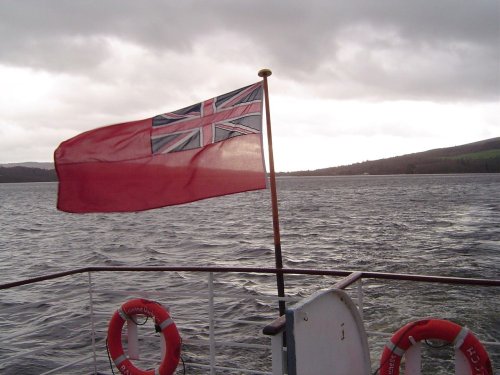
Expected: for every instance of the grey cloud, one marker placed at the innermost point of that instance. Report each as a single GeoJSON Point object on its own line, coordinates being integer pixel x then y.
{"type": "Point", "coordinates": [453, 45]}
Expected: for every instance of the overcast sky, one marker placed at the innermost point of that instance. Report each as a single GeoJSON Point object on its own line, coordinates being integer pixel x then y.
{"type": "Point", "coordinates": [352, 80]}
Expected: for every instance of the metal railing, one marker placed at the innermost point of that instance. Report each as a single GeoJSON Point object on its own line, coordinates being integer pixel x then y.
{"type": "Point", "coordinates": [91, 316]}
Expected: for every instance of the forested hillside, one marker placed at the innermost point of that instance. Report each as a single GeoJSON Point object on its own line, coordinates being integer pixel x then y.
{"type": "Point", "coordinates": [26, 174]}
{"type": "Point", "coordinates": [477, 157]}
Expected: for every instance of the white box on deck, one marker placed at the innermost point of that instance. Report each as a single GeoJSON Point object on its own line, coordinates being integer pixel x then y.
{"type": "Point", "coordinates": [325, 335]}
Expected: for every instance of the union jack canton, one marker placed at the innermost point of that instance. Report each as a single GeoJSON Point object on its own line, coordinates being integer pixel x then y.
{"type": "Point", "coordinates": [236, 113]}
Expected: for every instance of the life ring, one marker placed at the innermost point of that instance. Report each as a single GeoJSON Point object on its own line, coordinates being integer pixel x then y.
{"type": "Point", "coordinates": [459, 336]}
{"type": "Point", "coordinates": [162, 320]}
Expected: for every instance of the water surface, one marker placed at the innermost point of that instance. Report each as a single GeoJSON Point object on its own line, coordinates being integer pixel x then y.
{"type": "Point", "coordinates": [424, 224]}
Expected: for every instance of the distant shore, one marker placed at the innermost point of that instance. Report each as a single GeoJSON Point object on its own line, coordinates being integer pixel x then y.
{"type": "Point", "coordinates": [477, 157]}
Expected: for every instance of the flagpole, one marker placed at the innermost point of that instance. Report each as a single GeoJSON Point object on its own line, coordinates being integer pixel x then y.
{"type": "Point", "coordinates": [264, 73]}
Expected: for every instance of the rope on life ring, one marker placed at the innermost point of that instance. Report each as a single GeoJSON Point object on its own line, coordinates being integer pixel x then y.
{"type": "Point", "coordinates": [166, 326]}
{"type": "Point", "coordinates": [444, 330]}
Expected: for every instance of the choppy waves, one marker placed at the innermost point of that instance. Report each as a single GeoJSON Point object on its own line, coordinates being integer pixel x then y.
{"type": "Point", "coordinates": [434, 225]}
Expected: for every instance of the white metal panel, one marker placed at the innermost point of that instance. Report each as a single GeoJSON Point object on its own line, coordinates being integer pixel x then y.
{"type": "Point", "coordinates": [325, 335]}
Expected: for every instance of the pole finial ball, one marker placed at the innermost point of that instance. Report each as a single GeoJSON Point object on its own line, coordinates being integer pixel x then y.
{"type": "Point", "coordinates": [265, 72]}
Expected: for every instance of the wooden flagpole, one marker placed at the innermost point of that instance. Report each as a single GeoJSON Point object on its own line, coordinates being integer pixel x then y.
{"type": "Point", "coordinates": [264, 73]}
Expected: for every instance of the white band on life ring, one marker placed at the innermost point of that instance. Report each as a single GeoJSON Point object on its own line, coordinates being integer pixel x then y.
{"type": "Point", "coordinates": [120, 359]}
{"type": "Point", "coordinates": [395, 349]}
{"type": "Point", "coordinates": [122, 314]}
{"type": "Point", "coordinates": [166, 323]}
{"type": "Point", "coordinates": [459, 340]}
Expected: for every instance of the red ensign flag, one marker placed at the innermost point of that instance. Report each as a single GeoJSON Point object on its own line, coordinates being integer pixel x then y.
{"type": "Point", "coordinates": [206, 150]}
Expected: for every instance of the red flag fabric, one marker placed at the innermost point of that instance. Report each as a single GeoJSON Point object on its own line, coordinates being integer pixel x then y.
{"type": "Point", "coordinates": [209, 149]}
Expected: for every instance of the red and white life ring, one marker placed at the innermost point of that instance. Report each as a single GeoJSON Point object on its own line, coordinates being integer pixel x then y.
{"type": "Point", "coordinates": [162, 320]}
{"type": "Point", "coordinates": [445, 330]}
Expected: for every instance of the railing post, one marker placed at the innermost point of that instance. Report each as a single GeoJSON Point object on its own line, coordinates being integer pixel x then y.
{"type": "Point", "coordinates": [360, 298]}
{"type": "Point", "coordinates": [92, 323]}
{"type": "Point", "coordinates": [278, 355]}
{"type": "Point", "coordinates": [211, 316]}
{"type": "Point", "coordinates": [413, 360]}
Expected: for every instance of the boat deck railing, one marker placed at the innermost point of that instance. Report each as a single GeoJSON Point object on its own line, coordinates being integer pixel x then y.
{"type": "Point", "coordinates": [52, 325]}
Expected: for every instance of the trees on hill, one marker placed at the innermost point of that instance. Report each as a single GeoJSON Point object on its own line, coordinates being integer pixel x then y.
{"type": "Point", "coordinates": [25, 174]}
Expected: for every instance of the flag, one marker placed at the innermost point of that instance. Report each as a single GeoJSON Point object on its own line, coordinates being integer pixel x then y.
{"type": "Point", "coordinates": [208, 149]}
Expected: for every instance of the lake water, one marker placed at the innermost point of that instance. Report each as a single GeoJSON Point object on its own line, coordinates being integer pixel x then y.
{"type": "Point", "coordinates": [446, 225]}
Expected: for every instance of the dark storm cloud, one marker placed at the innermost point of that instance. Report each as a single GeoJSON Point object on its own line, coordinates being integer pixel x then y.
{"type": "Point", "coordinates": [443, 50]}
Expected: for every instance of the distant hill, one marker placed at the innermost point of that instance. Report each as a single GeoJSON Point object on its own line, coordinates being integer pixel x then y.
{"type": "Point", "coordinates": [477, 157]}
{"type": "Point", "coordinates": [30, 164]}
{"type": "Point", "coordinates": [26, 174]}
